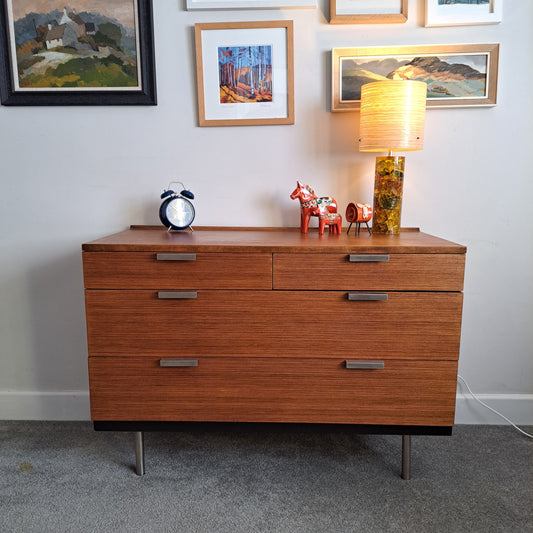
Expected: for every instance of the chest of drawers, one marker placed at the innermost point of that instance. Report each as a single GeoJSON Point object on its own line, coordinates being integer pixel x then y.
{"type": "Point", "coordinates": [269, 325]}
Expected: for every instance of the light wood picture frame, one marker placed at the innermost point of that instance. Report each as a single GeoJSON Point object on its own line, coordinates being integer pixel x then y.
{"type": "Point", "coordinates": [458, 75]}
{"type": "Point", "coordinates": [458, 13]}
{"type": "Point", "coordinates": [367, 11]}
{"type": "Point", "coordinates": [245, 73]}
{"type": "Point", "coordinates": [194, 5]}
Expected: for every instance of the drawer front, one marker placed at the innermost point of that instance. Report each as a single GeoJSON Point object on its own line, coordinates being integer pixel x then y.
{"type": "Point", "coordinates": [396, 325]}
{"type": "Point", "coordinates": [403, 272]}
{"type": "Point", "coordinates": [150, 270]}
{"type": "Point", "coordinates": [273, 390]}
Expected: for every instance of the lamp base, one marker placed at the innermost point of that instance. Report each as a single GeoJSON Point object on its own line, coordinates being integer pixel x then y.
{"type": "Point", "coordinates": [388, 192]}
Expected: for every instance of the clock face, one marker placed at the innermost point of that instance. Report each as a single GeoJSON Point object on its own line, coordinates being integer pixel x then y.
{"type": "Point", "coordinates": [180, 212]}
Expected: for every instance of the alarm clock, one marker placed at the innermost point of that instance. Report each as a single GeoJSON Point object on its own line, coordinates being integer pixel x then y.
{"type": "Point", "coordinates": [176, 211]}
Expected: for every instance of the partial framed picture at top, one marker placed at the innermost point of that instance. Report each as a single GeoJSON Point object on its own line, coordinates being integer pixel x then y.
{"type": "Point", "coordinates": [457, 75]}
{"type": "Point", "coordinates": [248, 4]}
{"type": "Point", "coordinates": [78, 52]}
{"type": "Point", "coordinates": [367, 11]}
{"type": "Point", "coordinates": [463, 12]}
{"type": "Point", "coordinates": [245, 73]}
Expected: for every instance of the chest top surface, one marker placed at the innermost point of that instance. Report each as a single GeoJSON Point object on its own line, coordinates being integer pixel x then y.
{"type": "Point", "coordinates": [270, 240]}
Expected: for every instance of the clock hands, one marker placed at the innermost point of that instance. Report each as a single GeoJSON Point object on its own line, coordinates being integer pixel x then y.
{"type": "Point", "coordinates": [176, 213]}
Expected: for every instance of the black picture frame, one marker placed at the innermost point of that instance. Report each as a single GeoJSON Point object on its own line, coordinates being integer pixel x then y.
{"type": "Point", "coordinates": [147, 95]}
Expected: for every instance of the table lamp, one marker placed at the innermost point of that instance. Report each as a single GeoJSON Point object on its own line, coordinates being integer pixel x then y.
{"type": "Point", "coordinates": [392, 119]}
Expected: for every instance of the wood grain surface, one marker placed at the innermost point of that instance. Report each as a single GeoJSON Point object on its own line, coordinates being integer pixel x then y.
{"type": "Point", "coordinates": [142, 270]}
{"type": "Point", "coordinates": [402, 272]}
{"type": "Point", "coordinates": [411, 325]}
{"type": "Point", "coordinates": [154, 238]}
{"type": "Point", "coordinates": [266, 390]}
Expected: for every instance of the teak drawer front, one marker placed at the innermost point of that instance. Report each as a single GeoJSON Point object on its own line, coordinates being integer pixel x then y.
{"type": "Point", "coordinates": [405, 325]}
{"type": "Point", "coordinates": [152, 270]}
{"type": "Point", "coordinates": [273, 390]}
{"type": "Point", "coordinates": [403, 272]}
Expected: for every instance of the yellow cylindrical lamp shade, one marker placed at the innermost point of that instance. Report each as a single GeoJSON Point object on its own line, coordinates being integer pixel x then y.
{"type": "Point", "coordinates": [392, 116]}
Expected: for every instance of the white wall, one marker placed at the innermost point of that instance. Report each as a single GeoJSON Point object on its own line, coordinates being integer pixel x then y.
{"type": "Point", "coordinates": [74, 174]}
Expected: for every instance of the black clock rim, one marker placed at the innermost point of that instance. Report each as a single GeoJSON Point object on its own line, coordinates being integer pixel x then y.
{"type": "Point", "coordinates": [163, 214]}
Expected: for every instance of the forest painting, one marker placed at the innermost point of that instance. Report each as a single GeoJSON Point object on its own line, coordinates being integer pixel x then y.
{"type": "Point", "coordinates": [245, 74]}
{"type": "Point", "coordinates": [74, 44]}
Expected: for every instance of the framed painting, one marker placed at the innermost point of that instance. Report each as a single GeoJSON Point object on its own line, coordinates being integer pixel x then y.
{"type": "Point", "coordinates": [248, 4]}
{"type": "Point", "coordinates": [245, 74]}
{"type": "Point", "coordinates": [92, 52]}
{"type": "Point", "coordinates": [367, 11]}
{"type": "Point", "coordinates": [463, 12]}
{"type": "Point", "coordinates": [457, 75]}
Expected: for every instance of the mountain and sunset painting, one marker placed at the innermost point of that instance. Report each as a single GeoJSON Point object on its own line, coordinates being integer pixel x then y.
{"type": "Point", "coordinates": [458, 76]}
{"type": "Point", "coordinates": [74, 44]}
{"type": "Point", "coordinates": [245, 74]}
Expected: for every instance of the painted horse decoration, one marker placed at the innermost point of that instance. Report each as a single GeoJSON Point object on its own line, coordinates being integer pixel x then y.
{"type": "Point", "coordinates": [311, 205]}
{"type": "Point", "coordinates": [325, 218]}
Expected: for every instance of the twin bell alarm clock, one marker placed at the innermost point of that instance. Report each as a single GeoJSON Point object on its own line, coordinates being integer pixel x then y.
{"type": "Point", "coordinates": [176, 211]}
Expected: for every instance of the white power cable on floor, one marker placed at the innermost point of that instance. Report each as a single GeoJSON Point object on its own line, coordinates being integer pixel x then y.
{"type": "Point", "coordinates": [491, 409]}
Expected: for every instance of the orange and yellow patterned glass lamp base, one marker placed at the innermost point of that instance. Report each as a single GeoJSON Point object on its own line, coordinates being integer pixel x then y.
{"type": "Point", "coordinates": [388, 192]}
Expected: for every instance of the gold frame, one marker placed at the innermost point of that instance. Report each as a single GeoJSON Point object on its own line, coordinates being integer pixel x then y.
{"type": "Point", "coordinates": [201, 27]}
{"type": "Point", "coordinates": [492, 51]}
{"type": "Point", "coordinates": [374, 18]}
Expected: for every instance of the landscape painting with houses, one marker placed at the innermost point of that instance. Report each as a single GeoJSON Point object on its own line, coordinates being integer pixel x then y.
{"type": "Point", "coordinates": [74, 44]}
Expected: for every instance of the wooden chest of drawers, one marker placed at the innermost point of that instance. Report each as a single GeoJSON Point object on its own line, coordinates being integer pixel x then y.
{"type": "Point", "coordinates": [252, 325]}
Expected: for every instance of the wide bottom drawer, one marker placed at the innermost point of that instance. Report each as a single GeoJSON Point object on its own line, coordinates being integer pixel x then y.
{"type": "Point", "coordinates": [273, 390]}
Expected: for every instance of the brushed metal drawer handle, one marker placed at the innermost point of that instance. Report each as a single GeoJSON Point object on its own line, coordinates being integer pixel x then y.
{"type": "Point", "coordinates": [178, 362]}
{"type": "Point", "coordinates": [177, 295]}
{"type": "Point", "coordinates": [176, 257]}
{"type": "Point", "coordinates": [365, 365]}
{"type": "Point", "coordinates": [368, 297]}
{"type": "Point", "coordinates": [368, 258]}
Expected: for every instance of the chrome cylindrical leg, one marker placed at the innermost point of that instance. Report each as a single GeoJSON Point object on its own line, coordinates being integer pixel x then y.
{"type": "Point", "coordinates": [406, 456]}
{"type": "Point", "coordinates": [139, 453]}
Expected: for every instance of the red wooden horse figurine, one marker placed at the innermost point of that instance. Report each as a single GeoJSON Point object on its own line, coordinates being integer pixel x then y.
{"type": "Point", "coordinates": [333, 220]}
{"type": "Point", "coordinates": [309, 203]}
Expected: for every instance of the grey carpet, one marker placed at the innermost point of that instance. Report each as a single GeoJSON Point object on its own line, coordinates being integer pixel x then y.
{"type": "Point", "coordinates": [63, 476]}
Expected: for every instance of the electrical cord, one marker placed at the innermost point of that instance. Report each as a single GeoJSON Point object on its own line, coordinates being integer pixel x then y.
{"type": "Point", "coordinates": [491, 409]}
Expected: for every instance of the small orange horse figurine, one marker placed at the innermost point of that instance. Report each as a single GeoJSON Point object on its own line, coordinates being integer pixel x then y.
{"type": "Point", "coordinates": [333, 220]}
{"type": "Point", "coordinates": [309, 202]}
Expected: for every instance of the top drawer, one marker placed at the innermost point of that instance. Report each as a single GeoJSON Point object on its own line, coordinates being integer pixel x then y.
{"type": "Point", "coordinates": [151, 270]}
{"type": "Point", "coordinates": [402, 272]}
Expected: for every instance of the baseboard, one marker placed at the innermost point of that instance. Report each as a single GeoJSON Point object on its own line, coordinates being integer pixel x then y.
{"type": "Point", "coordinates": [516, 407]}
{"type": "Point", "coordinates": [74, 405]}
{"type": "Point", "coordinates": [32, 405]}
